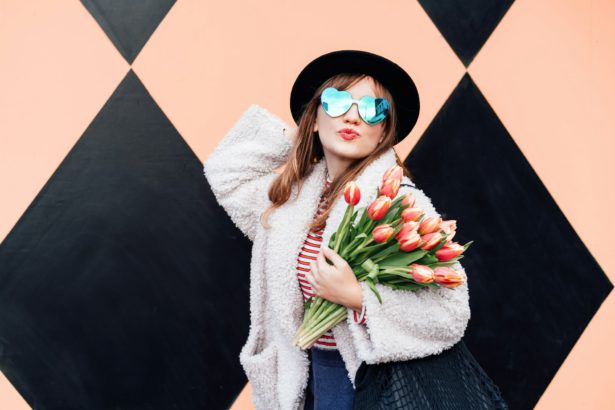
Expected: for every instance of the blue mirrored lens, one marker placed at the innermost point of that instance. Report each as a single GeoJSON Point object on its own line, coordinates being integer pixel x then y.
{"type": "Point", "coordinates": [373, 110]}
{"type": "Point", "coordinates": [334, 102]}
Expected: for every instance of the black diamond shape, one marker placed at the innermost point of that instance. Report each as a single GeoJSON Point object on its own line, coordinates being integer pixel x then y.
{"type": "Point", "coordinates": [466, 24]}
{"type": "Point", "coordinates": [533, 284]}
{"type": "Point", "coordinates": [129, 24]}
{"type": "Point", "coordinates": [125, 285]}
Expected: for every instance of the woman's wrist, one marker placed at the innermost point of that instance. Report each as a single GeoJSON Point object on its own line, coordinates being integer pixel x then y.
{"type": "Point", "coordinates": [354, 298]}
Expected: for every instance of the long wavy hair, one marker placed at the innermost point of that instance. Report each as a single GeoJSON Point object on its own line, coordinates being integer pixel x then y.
{"type": "Point", "coordinates": [307, 151]}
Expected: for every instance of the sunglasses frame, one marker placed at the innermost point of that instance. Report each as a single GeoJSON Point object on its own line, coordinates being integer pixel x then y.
{"type": "Point", "coordinates": [363, 104]}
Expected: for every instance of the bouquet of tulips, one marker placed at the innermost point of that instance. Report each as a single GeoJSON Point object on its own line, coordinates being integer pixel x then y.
{"type": "Point", "coordinates": [392, 243]}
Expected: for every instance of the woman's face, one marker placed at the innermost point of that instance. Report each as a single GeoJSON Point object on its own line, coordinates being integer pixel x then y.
{"type": "Point", "coordinates": [340, 150]}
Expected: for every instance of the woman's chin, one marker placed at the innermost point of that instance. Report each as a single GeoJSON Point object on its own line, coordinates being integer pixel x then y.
{"type": "Point", "coordinates": [350, 154]}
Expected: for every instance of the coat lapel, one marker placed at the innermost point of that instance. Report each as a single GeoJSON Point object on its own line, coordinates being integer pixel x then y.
{"type": "Point", "coordinates": [289, 227]}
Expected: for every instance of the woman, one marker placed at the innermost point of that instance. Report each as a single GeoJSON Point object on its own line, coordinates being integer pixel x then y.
{"type": "Point", "coordinates": [288, 214]}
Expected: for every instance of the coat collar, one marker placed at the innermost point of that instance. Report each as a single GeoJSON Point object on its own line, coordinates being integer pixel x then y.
{"type": "Point", "coordinates": [289, 227]}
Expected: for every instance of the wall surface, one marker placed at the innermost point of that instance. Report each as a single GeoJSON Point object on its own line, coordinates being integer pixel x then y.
{"type": "Point", "coordinates": [110, 292]}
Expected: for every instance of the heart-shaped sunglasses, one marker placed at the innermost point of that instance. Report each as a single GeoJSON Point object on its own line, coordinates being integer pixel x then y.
{"type": "Point", "coordinates": [371, 109]}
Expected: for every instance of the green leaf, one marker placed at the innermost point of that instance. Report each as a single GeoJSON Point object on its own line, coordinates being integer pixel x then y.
{"type": "Point", "coordinates": [392, 248]}
{"type": "Point", "coordinates": [428, 259]}
{"type": "Point", "coordinates": [445, 264]}
{"type": "Point", "coordinates": [402, 259]}
{"type": "Point", "coordinates": [362, 221]}
{"type": "Point", "coordinates": [371, 285]}
{"type": "Point", "coordinates": [354, 216]}
{"type": "Point", "coordinates": [467, 245]}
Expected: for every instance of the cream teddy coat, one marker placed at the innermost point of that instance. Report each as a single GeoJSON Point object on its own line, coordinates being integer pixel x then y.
{"type": "Point", "coordinates": [407, 325]}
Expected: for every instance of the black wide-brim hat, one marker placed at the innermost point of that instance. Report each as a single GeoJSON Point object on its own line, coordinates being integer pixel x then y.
{"type": "Point", "coordinates": [393, 77]}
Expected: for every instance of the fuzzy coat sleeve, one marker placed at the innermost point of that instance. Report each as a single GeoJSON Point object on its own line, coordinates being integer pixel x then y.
{"type": "Point", "coordinates": [240, 169]}
{"type": "Point", "coordinates": [411, 324]}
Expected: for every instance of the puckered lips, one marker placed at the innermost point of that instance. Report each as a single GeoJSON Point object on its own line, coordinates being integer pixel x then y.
{"type": "Point", "coordinates": [348, 134]}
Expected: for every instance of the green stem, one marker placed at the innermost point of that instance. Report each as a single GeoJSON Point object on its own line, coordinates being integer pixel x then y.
{"type": "Point", "coordinates": [324, 311]}
{"type": "Point", "coordinates": [343, 228]}
{"type": "Point", "coordinates": [323, 327]}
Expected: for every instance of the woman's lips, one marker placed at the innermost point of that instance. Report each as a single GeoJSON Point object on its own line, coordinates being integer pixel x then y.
{"type": "Point", "coordinates": [348, 135]}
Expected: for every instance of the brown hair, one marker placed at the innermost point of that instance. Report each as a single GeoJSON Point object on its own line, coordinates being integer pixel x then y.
{"type": "Point", "coordinates": [307, 150]}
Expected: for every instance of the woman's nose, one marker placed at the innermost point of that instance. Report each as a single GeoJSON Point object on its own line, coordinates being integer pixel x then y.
{"type": "Point", "coordinates": [352, 115]}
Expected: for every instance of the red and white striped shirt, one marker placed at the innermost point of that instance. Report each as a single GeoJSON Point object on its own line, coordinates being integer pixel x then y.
{"type": "Point", "coordinates": [309, 252]}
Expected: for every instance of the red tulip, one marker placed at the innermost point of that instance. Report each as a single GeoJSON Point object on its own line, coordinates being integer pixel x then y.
{"type": "Point", "coordinates": [422, 273]}
{"type": "Point", "coordinates": [449, 251]}
{"type": "Point", "coordinates": [382, 233]}
{"type": "Point", "coordinates": [352, 193]}
{"type": "Point", "coordinates": [378, 209]}
{"type": "Point", "coordinates": [390, 187]}
{"type": "Point", "coordinates": [449, 278]}
{"type": "Point", "coordinates": [395, 172]}
{"type": "Point", "coordinates": [430, 224]}
{"type": "Point", "coordinates": [406, 228]}
{"type": "Point", "coordinates": [409, 200]}
{"type": "Point", "coordinates": [411, 214]}
{"type": "Point", "coordinates": [409, 242]}
{"type": "Point", "coordinates": [430, 240]}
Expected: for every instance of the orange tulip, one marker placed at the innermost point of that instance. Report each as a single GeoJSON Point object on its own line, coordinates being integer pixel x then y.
{"type": "Point", "coordinates": [406, 228]}
{"type": "Point", "coordinates": [382, 233]}
{"type": "Point", "coordinates": [449, 227]}
{"type": "Point", "coordinates": [449, 278]}
{"type": "Point", "coordinates": [352, 193]}
{"type": "Point", "coordinates": [378, 209]}
{"type": "Point", "coordinates": [395, 172]}
{"type": "Point", "coordinates": [449, 251]}
{"type": "Point", "coordinates": [409, 241]}
{"type": "Point", "coordinates": [409, 199]}
{"type": "Point", "coordinates": [422, 273]}
{"type": "Point", "coordinates": [430, 240]}
{"type": "Point", "coordinates": [390, 187]}
{"type": "Point", "coordinates": [411, 214]}
{"type": "Point", "coordinates": [430, 224]}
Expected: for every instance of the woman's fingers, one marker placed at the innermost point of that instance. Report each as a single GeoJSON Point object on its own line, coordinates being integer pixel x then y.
{"type": "Point", "coordinates": [312, 276]}
{"type": "Point", "coordinates": [336, 259]}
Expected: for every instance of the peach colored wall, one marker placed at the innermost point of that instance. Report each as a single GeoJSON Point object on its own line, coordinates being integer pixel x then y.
{"type": "Point", "coordinates": [546, 71]}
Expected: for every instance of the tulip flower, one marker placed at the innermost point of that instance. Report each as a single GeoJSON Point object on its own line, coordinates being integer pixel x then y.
{"type": "Point", "coordinates": [449, 278]}
{"type": "Point", "coordinates": [411, 214]}
{"type": "Point", "coordinates": [382, 233]}
{"type": "Point", "coordinates": [378, 209]}
{"type": "Point", "coordinates": [430, 224]}
{"type": "Point", "coordinates": [395, 172]}
{"type": "Point", "coordinates": [430, 240]}
{"type": "Point", "coordinates": [390, 187]}
{"type": "Point", "coordinates": [409, 242]}
{"type": "Point", "coordinates": [409, 199]}
{"type": "Point", "coordinates": [421, 273]}
{"type": "Point", "coordinates": [449, 251]}
{"type": "Point", "coordinates": [352, 193]}
{"type": "Point", "coordinates": [449, 227]}
{"type": "Point", "coordinates": [406, 228]}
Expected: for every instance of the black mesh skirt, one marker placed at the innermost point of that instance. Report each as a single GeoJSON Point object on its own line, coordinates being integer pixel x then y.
{"type": "Point", "coordinates": [451, 380]}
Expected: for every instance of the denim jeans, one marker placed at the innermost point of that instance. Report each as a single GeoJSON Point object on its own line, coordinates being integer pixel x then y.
{"type": "Point", "coordinates": [329, 387]}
